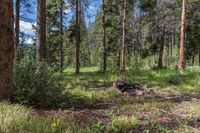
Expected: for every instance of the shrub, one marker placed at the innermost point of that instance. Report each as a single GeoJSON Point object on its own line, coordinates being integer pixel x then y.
{"type": "Point", "coordinates": [35, 84]}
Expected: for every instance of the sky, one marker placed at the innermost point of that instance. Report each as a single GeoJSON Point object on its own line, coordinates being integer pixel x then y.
{"type": "Point", "coordinates": [28, 17]}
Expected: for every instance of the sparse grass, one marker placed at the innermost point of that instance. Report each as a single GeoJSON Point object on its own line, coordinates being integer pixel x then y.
{"type": "Point", "coordinates": [92, 96]}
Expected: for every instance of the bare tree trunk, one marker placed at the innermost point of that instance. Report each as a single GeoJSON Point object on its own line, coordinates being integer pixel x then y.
{"type": "Point", "coordinates": [78, 36]}
{"type": "Point", "coordinates": [122, 48]}
{"type": "Point", "coordinates": [171, 49]}
{"type": "Point", "coordinates": [193, 59]}
{"type": "Point", "coordinates": [17, 28]}
{"type": "Point", "coordinates": [160, 59]}
{"type": "Point", "coordinates": [199, 56]}
{"type": "Point", "coordinates": [104, 39]}
{"type": "Point", "coordinates": [6, 49]}
{"type": "Point", "coordinates": [41, 30]}
{"type": "Point", "coordinates": [61, 34]}
{"type": "Point", "coordinates": [182, 37]}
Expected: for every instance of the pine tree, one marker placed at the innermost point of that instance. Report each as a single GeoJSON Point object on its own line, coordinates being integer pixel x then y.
{"type": "Point", "coordinates": [6, 49]}
{"type": "Point", "coordinates": [41, 30]}
{"type": "Point", "coordinates": [182, 37]}
{"type": "Point", "coordinates": [78, 34]}
{"type": "Point", "coordinates": [17, 27]}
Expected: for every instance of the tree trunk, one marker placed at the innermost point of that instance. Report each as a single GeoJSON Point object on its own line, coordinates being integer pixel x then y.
{"type": "Point", "coordinates": [182, 37]}
{"type": "Point", "coordinates": [41, 30]}
{"type": "Point", "coordinates": [17, 28]}
{"type": "Point", "coordinates": [122, 48]}
{"type": "Point", "coordinates": [6, 49]}
{"type": "Point", "coordinates": [160, 59]}
{"type": "Point", "coordinates": [61, 34]}
{"type": "Point", "coordinates": [193, 59]}
{"type": "Point", "coordinates": [171, 49]}
{"type": "Point", "coordinates": [104, 39]}
{"type": "Point", "coordinates": [199, 56]}
{"type": "Point", "coordinates": [78, 36]}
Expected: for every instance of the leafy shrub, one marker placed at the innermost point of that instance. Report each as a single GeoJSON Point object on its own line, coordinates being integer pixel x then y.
{"type": "Point", "coordinates": [35, 84]}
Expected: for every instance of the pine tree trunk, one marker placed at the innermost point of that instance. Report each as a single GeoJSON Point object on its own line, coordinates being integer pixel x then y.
{"type": "Point", "coordinates": [6, 49]}
{"type": "Point", "coordinates": [41, 30]}
{"type": "Point", "coordinates": [193, 59]}
{"type": "Point", "coordinates": [122, 48]}
{"type": "Point", "coordinates": [104, 39]}
{"type": "Point", "coordinates": [199, 56]}
{"type": "Point", "coordinates": [171, 49]}
{"type": "Point", "coordinates": [17, 28]}
{"type": "Point", "coordinates": [61, 41]}
{"type": "Point", "coordinates": [78, 36]}
{"type": "Point", "coordinates": [160, 59]}
{"type": "Point", "coordinates": [182, 37]}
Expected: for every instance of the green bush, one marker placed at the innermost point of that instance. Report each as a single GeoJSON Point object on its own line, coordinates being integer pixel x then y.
{"type": "Point", "coordinates": [35, 84]}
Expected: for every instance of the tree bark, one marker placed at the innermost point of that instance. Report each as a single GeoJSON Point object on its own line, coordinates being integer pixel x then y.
{"type": "Point", "coordinates": [78, 36]}
{"type": "Point", "coordinates": [104, 39]}
{"type": "Point", "coordinates": [160, 59]}
{"type": "Point", "coordinates": [122, 47]}
{"type": "Point", "coordinates": [6, 49]}
{"type": "Point", "coordinates": [61, 34]}
{"type": "Point", "coordinates": [171, 49]}
{"type": "Point", "coordinates": [199, 56]}
{"type": "Point", "coordinates": [182, 37]}
{"type": "Point", "coordinates": [17, 28]}
{"type": "Point", "coordinates": [41, 30]}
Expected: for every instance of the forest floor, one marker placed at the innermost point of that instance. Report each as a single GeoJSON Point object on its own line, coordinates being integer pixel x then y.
{"type": "Point", "coordinates": [171, 108]}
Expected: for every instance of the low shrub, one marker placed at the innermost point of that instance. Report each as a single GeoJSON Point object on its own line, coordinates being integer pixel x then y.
{"type": "Point", "coordinates": [35, 84]}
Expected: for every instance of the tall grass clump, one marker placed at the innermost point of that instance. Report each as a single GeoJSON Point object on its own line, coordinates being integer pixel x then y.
{"type": "Point", "coordinates": [15, 118]}
{"type": "Point", "coordinates": [12, 115]}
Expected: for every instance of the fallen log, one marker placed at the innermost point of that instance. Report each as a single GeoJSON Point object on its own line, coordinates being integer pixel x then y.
{"type": "Point", "coordinates": [99, 85]}
{"type": "Point", "coordinates": [122, 86]}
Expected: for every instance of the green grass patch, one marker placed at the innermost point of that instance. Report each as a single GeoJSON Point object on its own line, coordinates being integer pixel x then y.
{"type": "Point", "coordinates": [122, 123]}
{"type": "Point", "coordinates": [18, 119]}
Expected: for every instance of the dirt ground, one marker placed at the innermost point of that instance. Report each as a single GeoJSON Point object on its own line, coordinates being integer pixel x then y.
{"type": "Point", "coordinates": [169, 116]}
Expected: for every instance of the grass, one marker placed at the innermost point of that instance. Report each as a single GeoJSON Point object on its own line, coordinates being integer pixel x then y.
{"type": "Point", "coordinates": [18, 119]}
{"type": "Point", "coordinates": [122, 123]}
{"type": "Point", "coordinates": [124, 113]}
{"type": "Point", "coordinates": [159, 79]}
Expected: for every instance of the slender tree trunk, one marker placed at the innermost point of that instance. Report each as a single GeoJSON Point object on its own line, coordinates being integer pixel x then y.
{"type": "Point", "coordinates": [182, 37]}
{"type": "Point", "coordinates": [160, 59]}
{"type": "Point", "coordinates": [61, 41]}
{"type": "Point", "coordinates": [199, 56]}
{"type": "Point", "coordinates": [17, 28]}
{"type": "Point", "coordinates": [6, 49]}
{"type": "Point", "coordinates": [168, 49]}
{"type": "Point", "coordinates": [122, 48]}
{"type": "Point", "coordinates": [171, 49]}
{"type": "Point", "coordinates": [193, 59]}
{"type": "Point", "coordinates": [140, 37]}
{"type": "Point", "coordinates": [41, 30]}
{"type": "Point", "coordinates": [78, 35]}
{"type": "Point", "coordinates": [104, 39]}
{"type": "Point", "coordinates": [161, 42]}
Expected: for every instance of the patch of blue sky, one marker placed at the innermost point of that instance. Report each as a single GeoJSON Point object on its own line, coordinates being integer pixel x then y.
{"type": "Point", "coordinates": [28, 15]}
